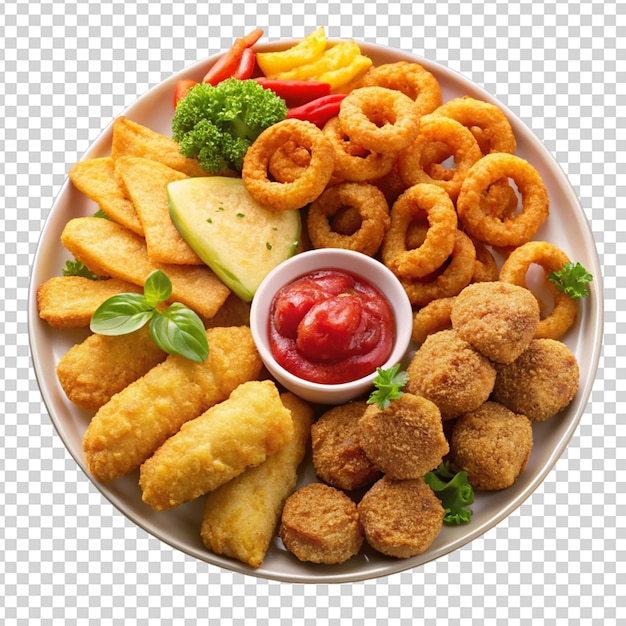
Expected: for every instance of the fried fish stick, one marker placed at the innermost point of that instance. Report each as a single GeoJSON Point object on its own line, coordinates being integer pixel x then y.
{"type": "Point", "coordinates": [240, 517]}
{"type": "Point", "coordinates": [93, 371]}
{"type": "Point", "coordinates": [207, 452]}
{"type": "Point", "coordinates": [135, 422]}
{"type": "Point", "coordinates": [70, 301]}
{"type": "Point", "coordinates": [109, 249]}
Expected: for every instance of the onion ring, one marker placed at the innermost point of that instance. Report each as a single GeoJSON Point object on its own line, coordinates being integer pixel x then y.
{"type": "Point", "coordinates": [485, 269]}
{"type": "Point", "coordinates": [288, 163]}
{"type": "Point", "coordinates": [440, 236]}
{"type": "Point", "coordinates": [377, 117]}
{"type": "Point", "coordinates": [432, 318]}
{"type": "Point", "coordinates": [309, 185]}
{"type": "Point", "coordinates": [490, 229]}
{"type": "Point", "coordinates": [372, 207]}
{"type": "Point", "coordinates": [550, 258]}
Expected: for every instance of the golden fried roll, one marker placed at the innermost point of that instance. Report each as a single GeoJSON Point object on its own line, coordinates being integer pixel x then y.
{"type": "Point", "coordinates": [401, 518]}
{"type": "Point", "coordinates": [338, 457]}
{"type": "Point", "coordinates": [321, 524]}
{"type": "Point", "coordinates": [492, 444]}
{"type": "Point", "coordinates": [136, 421]}
{"type": "Point", "coordinates": [406, 439]}
{"type": "Point", "coordinates": [208, 451]}
{"type": "Point", "coordinates": [93, 371]}
{"type": "Point", "coordinates": [240, 517]}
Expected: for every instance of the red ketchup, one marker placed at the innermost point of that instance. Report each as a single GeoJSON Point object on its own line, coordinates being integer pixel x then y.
{"type": "Point", "coordinates": [331, 327]}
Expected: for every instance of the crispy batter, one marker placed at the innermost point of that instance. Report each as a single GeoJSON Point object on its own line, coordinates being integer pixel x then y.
{"type": "Point", "coordinates": [406, 439]}
{"type": "Point", "coordinates": [136, 421]}
{"type": "Point", "coordinates": [401, 518]}
{"type": "Point", "coordinates": [70, 301]}
{"type": "Point", "coordinates": [492, 444]}
{"type": "Point", "coordinates": [338, 457]}
{"type": "Point", "coordinates": [93, 371]}
{"type": "Point", "coordinates": [320, 524]}
{"type": "Point", "coordinates": [234, 312]}
{"type": "Point", "coordinates": [432, 318]}
{"type": "Point", "coordinates": [109, 249]}
{"type": "Point", "coordinates": [239, 433]}
{"type": "Point", "coordinates": [240, 517]}
{"type": "Point", "coordinates": [541, 382]}
{"type": "Point", "coordinates": [449, 372]}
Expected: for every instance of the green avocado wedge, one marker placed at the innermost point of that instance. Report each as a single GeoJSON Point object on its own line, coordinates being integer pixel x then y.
{"type": "Point", "coordinates": [238, 238]}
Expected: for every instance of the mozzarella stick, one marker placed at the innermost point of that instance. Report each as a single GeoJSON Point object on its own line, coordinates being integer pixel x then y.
{"type": "Point", "coordinates": [240, 517]}
{"type": "Point", "coordinates": [217, 446]}
{"type": "Point", "coordinates": [135, 422]}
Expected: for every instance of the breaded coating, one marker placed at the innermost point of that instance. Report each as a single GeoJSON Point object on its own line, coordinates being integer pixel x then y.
{"type": "Point", "coordinates": [541, 382]}
{"type": "Point", "coordinates": [492, 444]}
{"type": "Point", "coordinates": [234, 312]}
{"type": "Point", "coordinates": [135, 422]}
{"type": "Point", "coordinates": [240, 517]}
{"type": "Point", "coordinates": [70, 301]}
{"type": "Point", "coordinates": [109, 249]}
{"type": "Point", "coordinates": [320, 524]}
{"type": "Point", "coordinates": [401, 518]}
{"type": "Point", "coordinates": [449, 372]}
{"type": "Point", "coordinates": [239, 433]}
{"type": "Point", "coordinates": [338, 457]}
{"type": "Point", "coordinates": [406, 439]}
{"type": "Point", "coordinates": [432, 318]}
{"type": "Point", "coordinates": [498, 319]}
{"type": "Point", "coordinates": [93, 371]}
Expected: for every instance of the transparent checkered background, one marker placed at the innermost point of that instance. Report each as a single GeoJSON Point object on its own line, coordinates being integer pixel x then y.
{"type": "Point", "coordinates": [68, 68]}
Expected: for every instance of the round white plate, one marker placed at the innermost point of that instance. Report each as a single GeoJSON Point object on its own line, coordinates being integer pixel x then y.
{"type": "Point", "coordinates": [566, 227]}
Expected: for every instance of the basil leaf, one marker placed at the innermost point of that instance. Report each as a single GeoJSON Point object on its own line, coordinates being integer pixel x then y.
{"type": "Point", "coordinates": [157, 288]}
{"type": "Point", "coordinates": [178, 330]}
{"type": "Point", "coordinates": [121, 314]}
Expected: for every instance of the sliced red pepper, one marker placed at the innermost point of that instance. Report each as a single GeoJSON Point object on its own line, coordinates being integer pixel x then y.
{"type": "Point", "coordinates": [181, 89]}
{"type": "Point", "coordinates": [318, 111]}
{"type": "Point", "coordinates": [246, 65]}
{"type": "Point", "coordinates": [295, 92]}
{"type": "Point", "coordinates": [228, 63]}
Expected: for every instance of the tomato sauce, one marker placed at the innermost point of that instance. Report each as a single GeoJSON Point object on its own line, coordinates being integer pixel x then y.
{"type": "Point", "coordinates": [331, 327]}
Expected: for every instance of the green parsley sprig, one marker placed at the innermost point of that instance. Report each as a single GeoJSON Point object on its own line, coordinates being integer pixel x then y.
{"type": "Point", "coordinates": [389, 384]}
{"type": "Point", "coordinates": [176, 330]}
{"type": "Point", "coordinates": [76, 268]}
{"type": "Point", "coordinates": [454, 491]}
{"type": "Point", "coordinates": [572, 280]}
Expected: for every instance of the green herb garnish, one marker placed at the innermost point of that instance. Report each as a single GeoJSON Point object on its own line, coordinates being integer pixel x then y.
{"type": "Point", "coordinates": [388, 385]}
{"type": "Point", "coordinates": [454, 491]}
{"type": "Point", "coordinates": [572, 280]}
{"type": "Point", "coordinates": [176, 330]}
{"type": "Point", "coordinates": [76, 268]}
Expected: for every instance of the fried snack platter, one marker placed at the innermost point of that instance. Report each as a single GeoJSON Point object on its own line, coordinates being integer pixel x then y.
{"type": "Point", "coordinates": [566, 227]}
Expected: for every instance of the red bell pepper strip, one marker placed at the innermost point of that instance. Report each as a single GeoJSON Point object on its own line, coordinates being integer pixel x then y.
{"type": "Point", "coordinates": [246, 65]}
{"type": "Point", "coordinates": [181, 89]}
{"type": "Point", "coordinates": [227, 64]}
{"type": "Point", "coordinates": [318, 111]}
{"type": "Point", "coordinates": [295, 92]}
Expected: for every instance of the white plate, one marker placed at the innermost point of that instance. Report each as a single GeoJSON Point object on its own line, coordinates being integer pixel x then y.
{"type": "Point", "coordinates": [567, 227]}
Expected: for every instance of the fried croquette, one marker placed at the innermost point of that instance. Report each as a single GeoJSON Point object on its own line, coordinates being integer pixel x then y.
{"type": "Point", "coordinates": [320, 524]}
{"type": "Point", "coordinates": [400, 518]}
{"type": "Point", "coordinates": [492, 444]}
{"type": "Point", "coordinates": [541, 382]}
{"type": "Point", "coordinates": [239, 433]}
{"type": "Point", "coordinates": [406, 439]}
{"type": "Point", "coordinates": [448, 371]}
{"type": "Point", "coordinates": [338, 457]}
{"type": "Point", "coordinates": [498, 319]}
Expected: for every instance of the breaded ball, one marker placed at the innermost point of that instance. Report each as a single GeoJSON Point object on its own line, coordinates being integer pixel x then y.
{"type": "Point", "coordinates": [321, 524]}
{"type": "Point", "coordinates": [492, 444]}
{"type": "Point", "coordinates": [401, 518]}
{"type": "Point", "coordinates": [338, 457]}
{"type": "Point", "coordinates": [406, 439]}
{"type": "Point", "coordinates": [542, 381]}
{"type": "Point", "coordinates": [448, 371]}
{"type": "Point", "coordinates": [498, 319]}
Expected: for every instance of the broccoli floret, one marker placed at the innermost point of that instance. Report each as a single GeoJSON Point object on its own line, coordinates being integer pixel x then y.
{"type": "Point", "coordinates": [217, 124]}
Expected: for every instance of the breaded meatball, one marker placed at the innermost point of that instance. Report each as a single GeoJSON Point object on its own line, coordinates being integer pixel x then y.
{"type": "Point", "coordinates": [406, 439]}
{"type": "Point", "coordinates": [321, 524]}
{"type": "Point", "coordinates": [449, 372]}
{"type": "Point", "coordinates": [542, 381]}
{"type": "Point", "coordinates": [338, 457]}
{"type": "Point", "coordinates": [498, 319]}
{"type": "Point", "coordinates": [400, 518]}
{"type": "Point", "coordinates": [492, 444]}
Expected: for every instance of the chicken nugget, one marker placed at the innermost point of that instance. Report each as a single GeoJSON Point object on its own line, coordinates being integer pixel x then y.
{"type": "Point", "coordinates": [320, 524]}
{"type": "Point", "coordinates": [135, 422]}
{"type": "Point", "coordinates": [401, 518]}
{"type": "Point", "coordinates": [240, 517]}
{"type": "Point", "coordinates": [492, 444]}
{"type": "Point", "coordinates": [338, 457]}
{"type": "Point", "coordinates": [239, 433]}
{"type": "Point", "coordinates": [406, 439]}
{"type": "Point", "coordinates": [541, 382]}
